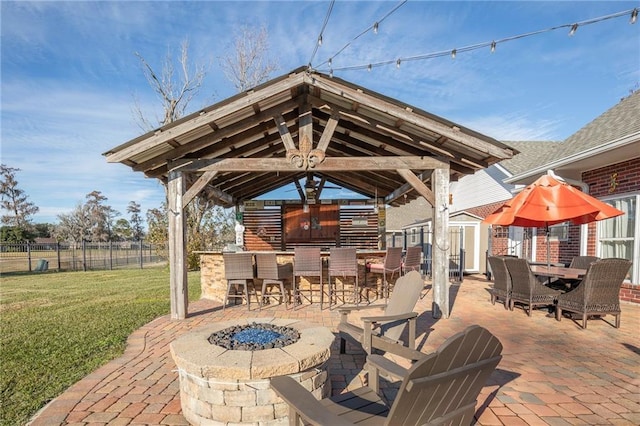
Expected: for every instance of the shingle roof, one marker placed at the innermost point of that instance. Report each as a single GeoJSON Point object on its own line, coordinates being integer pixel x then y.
{"type": "Point", "coordinates": [621, 120]}
{"type": "Point", "coordinates": [532, 153]}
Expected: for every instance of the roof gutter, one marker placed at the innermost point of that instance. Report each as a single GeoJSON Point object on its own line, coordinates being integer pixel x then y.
{"type": "Point", "coordinates": [600, 149]}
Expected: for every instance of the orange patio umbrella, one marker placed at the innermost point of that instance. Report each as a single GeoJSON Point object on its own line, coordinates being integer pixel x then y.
{"type": "Point", "coordinates": [549, 201]}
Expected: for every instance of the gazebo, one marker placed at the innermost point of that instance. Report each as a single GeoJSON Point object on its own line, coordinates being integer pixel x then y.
{"type": "Point", "coordinates": [304, 123]}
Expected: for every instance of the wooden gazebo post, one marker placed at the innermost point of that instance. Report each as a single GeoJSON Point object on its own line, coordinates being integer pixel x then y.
{"type": "Point", "coordinates": [177, 245]}
{"type": "Point", "coordinates": [440, 183]}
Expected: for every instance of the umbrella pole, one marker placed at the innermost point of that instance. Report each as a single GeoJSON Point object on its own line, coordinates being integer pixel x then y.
{"type": "Point", "coordinates": [548, 247]}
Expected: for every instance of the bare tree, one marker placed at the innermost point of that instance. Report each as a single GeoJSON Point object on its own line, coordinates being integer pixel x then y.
{"type": "Point", "coordinates": [176, 86]}
{"type": "Point", "coordinates": [247, 64]}
{"type": "Point", "coordinates": [14, 200]}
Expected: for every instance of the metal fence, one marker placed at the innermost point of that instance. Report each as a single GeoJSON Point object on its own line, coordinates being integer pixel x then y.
{"type": "Point", "coordinates": [424, 238]}
{"type": "Point", "coordinates": [28, 257]}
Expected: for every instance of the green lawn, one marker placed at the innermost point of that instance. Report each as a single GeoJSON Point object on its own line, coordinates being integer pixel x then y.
{"type": "Point", "coordinates": [55, 328]}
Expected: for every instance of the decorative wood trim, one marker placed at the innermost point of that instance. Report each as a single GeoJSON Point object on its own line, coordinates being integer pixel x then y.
{"type": "Point", "coordinates": [285, 135]}
{"type": "Point", "coordinates": [327, 134]}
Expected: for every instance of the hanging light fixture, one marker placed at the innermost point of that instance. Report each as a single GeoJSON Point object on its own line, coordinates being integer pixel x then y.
{"type": "Point", "coordinates": [369, 67]}
{"type": "Point", "coordinates": [634, 16]}
{"type": "Point", "coordinates": [493, 46]}
{"type": "Point", "coordinates": [398, 63]}
{"type": "Point", "coordinates": [574, 28]}
{"type": "Point", "coordinates": [320, 40]}
{"type": "Point", "coordinates": [453, 53]}
{"type": "Point", "coordinates": [375, 28]}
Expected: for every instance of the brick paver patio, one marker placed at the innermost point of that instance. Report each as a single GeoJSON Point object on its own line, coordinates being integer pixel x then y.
{"type": "Point", "coordinates": [552, 372]}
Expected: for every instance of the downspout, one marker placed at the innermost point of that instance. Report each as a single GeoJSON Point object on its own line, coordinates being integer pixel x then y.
{"type": "Point", "coordinates": [584, 228]}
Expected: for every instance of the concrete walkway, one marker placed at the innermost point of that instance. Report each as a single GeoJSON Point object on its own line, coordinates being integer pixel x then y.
{"type": "Point", "coordinates": [552, 372]}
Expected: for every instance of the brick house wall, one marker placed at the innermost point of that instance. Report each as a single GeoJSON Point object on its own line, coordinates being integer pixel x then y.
{"type": "Point", "coordinates": [615, 179]}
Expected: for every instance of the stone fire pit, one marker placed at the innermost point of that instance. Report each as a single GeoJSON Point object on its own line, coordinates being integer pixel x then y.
{"type": "Point", "coordinates": [221, 386]}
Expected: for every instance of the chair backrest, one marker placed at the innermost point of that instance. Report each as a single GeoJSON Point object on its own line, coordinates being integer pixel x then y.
{"type": "Point", "coordinates": [501, 277]}
{"type": "Point", "coordinates": [238, 266]}
{"type": "Point", "coordinates": [403, 299]}
{"type": "Point", "coordinates": [393, 259]}
{"type": "Point", "coordinates": [413, 259]}
{"type": "Point", "coordinates": [583, 262]}
{"type": "Point", "coordinates": [442, 387]}
{"type": "Point", "coordinates": [307, 261]}
{"type": "Point", "coordinates": [522, 279]}
{"type": "Point", "coordinates": [267, 266]}
{"type": "Point", "coordinates": [343, 260]}
{"type": "Point", "coordinates": [601, 284]}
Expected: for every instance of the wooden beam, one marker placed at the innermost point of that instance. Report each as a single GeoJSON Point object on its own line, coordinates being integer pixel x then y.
{"type": "Point", "coordinates": [328, 165]}
{"type": "Point", "coordinates": [235, 104]}
{"type": "Point", "coordinates": [400, 112]}
{"type": "Point", "coordinates": [197, 186]}
{"type": "Point", "coordinates": [305, 124]}
{"type": "Point", "coordinates": [285, 135]}
{"type": "Point", "coordinates": [441, 246]}
{"type": "Point", "coordinates": [327, 134]}
{"type": "Point", "coordinates": [177, 246]}
{"type": "Point", "coordinates": [418, 185]}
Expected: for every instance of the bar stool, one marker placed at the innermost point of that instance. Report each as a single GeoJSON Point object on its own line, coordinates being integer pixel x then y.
{"type": "Point", "coordinates": [412, 260]}
{"type": "Point", "coordinates": [392, 264]}
{"type": "Point", "coordinates": [342, 262]}
{"type": "Point", "coordinates": [238, 270]}
{"type": "Point", "coordinates": [273, 276]}
{"type": "Point", "coordinates": [307, 262]}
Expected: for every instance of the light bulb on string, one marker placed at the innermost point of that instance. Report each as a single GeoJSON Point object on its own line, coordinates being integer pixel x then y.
{"type": "Point", "coordinates": [398, 63]}
{"type": "Point", "coordinates": [453, 53]}
{"type": "Point", "coordinates": [493, 47]}
{"type": "Point", "coordinates": [330, 61]}
{"type": "Point", "coordinates": [634, 16]}
{"type": "Point", "coordinates": [320, 40]}
{"type": "Point", "coordinates": [574, 28]}
{"type": "Point", "coordinates": [369, 67]}
{"type": "Point", "coordinates": [375, 28]}
{"type": "Point", "coordinates": [331, 73]}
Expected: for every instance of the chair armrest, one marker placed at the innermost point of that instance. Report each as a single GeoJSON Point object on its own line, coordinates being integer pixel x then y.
{"type": "Point", "coordinates": [302, 402]}
{"type": "Point", "coordinates": [384, 365]}
{"type": "Point", "coordinates": [346, 310]}
{"type": "Point", "coordinates": [397, 317]}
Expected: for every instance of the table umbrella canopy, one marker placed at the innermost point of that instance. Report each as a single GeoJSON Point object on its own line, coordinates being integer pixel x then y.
{"type": "Point", "coordinates": [548, 201]}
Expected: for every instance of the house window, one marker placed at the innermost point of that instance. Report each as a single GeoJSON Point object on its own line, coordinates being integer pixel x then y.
{"type": "Point", "coordinates": [414, 235]}
{"type": "Point", "coordinates": [559, 232]}
{"type": "Point", "coordinates": [617, 237]}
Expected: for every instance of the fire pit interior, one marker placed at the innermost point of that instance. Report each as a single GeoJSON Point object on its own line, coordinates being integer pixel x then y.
{"type": "Point", "coordinates": [225, 369]}
{"type": "Point", "coordinates": [254, 337]}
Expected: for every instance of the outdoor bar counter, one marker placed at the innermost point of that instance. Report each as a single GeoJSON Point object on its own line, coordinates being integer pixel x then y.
{"type": "Point", "coordinates": [214, 285]}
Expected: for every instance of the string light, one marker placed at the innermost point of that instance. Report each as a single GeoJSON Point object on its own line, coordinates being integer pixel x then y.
{"type": "Point", "coordinates": [324, 25]}
{"type": "Point", "coordinates": [490, 44]}
{"type": "Point", "coordinates": [373, 27]}
{"type": "Point", "coordinates": [574, 28]}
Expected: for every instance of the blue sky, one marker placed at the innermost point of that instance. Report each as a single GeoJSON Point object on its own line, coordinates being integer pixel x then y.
{"type": "Point", "coordinates": [69, 74]}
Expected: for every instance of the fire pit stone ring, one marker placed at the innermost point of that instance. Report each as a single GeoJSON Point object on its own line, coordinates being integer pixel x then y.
{"type": "Point", "coordinates": [220, 386]}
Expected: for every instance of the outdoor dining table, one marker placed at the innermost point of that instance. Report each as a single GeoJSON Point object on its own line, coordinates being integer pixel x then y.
{"type": "Point", "coordinates": [558, 272]}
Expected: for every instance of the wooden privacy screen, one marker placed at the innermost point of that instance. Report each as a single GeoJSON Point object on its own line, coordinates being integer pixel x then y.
{"type": "Point", "coordinates": [324, 225]}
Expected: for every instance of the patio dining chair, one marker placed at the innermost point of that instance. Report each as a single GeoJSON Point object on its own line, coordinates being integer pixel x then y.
{"type": "Point", "coordinates": [578, 262]}
{"type": "Point", "coordinates": [525, 287]}
{"type": "Point", "coordinates": [343, 262]}
{"type": "Point", "coordinates": [440, 388]}
{"type": "Point", "coordinates": [501, 280]}
{"type": "Point", "coordinates": [598, 293]}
